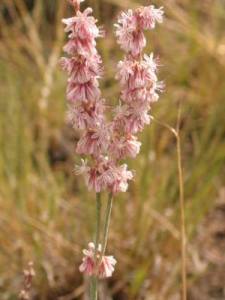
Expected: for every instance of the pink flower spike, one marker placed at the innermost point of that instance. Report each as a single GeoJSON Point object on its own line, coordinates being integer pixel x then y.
{"type": "Point", "coordinates": [106, 266]}
{"type": "Point", "coordinates": [107, 142]}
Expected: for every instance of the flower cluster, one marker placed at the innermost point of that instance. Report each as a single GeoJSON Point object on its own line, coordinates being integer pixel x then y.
{"type": "Point", "coordinates": [95, 264]}
{"type": "Point", "coordinates": [105, 174]}
{"type": "Point", "coordinates": [86, 108]}
{"type": "Point", "coordinates": [106, 143]}
{"type": "Point", "coordinates": [131, 26]}
{"type": "Point", "coordinates": [137, 75]}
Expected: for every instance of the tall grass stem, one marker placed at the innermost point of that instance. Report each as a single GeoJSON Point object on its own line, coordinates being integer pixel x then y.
{"type": "Point", "coordinates": [176, 133]}
{"type": "Point", "coordinates": [182, 210]}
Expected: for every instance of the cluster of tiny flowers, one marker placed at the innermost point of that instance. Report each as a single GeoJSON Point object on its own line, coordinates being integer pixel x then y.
{"type": "Point", "coordinates": [105, 143]}
{"type": "Point", "coordinates": [86, 108]}
{"type": "Point", "coordinates": [137, 75]}
{"type": "Point", "coordinates": [94, 263]}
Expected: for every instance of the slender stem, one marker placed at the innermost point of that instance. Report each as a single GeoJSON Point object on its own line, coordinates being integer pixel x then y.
{"type": "Point", "coordinates": [170, 128]}
{"type": "Point", "coordinates": [107, 223]}
{"type": "Point", "coordinates": [176, 133]}
{"type": "Point", "coordinates": [98, 221]}
{"type": "Point", "coordinates": [94, 288]}
{"type": "Point", "coordinates": [94, 279]}
{"type": "Point", "coordinates": [182, 211]}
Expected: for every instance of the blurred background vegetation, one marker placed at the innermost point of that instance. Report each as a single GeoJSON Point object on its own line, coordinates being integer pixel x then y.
{"type": "Point", "coordinates": [47, 214]}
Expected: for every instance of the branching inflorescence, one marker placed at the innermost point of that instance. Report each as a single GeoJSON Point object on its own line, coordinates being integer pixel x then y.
{"type": "Point", "coordinates": [105, 143]}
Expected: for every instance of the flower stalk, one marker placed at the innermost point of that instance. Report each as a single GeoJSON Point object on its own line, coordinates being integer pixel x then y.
{"type": "Point", "coordinates": [105, 143]}
{"type": "Point", "coordinates": [107, 223]}
{"type": "Point", "coordinates": [183, 235]}
{"type": "Point", "coordinates": [98, 220]}
{"type": "Point", "coordinates": [94, 279]}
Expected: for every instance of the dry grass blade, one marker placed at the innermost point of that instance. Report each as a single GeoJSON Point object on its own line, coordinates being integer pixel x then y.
{"type": "Point", "coordinates": [36, 44]}
{"type": "Point", "coordinates": [53, 57]}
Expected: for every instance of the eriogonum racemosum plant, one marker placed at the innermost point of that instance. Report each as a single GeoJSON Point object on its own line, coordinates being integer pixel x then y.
{"type": "Point", "coordinates": [105, 143]}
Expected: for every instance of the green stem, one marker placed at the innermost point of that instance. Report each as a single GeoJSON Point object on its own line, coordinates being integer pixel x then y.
{"type": "Point", "coordinates": [94, 279]}
{"type": "Point", "coordinates": [107, 223]}
{"type": "Point", "coordinates": [98, 221]}
{"type": "Point", "coordinates": [94, 288]}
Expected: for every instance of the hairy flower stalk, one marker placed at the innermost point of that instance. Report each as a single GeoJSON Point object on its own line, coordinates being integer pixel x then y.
{"type": "Point", "coordinates": [105, 143]}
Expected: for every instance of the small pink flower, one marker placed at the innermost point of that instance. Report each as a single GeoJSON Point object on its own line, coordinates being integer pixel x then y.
{"type": "Point", "coordinates": [135, 43]}
{"type": "Point", "coordinates": [129, 30]}
{"type": "Point", "coordinates": [149, 15]}
{"type": "Point", "coordinates": [82, 69]}
{"type": "Point", "coordinates": [136, 74]}
{"type": "Point", "coordinates": [127, 23]}
{"type": "Point", "coordinates": [136, 120]}
{"type": "Point", "coordinates": [80, 46]}
{"type": "Point", "coordinates": [125, 147]}
{"type": "Point", "coordinates": [151, 63]}
{"type": "Point", "coordinates": [98, 181]}
{"type": "Point", "coordinates": [93, 264]}
{"type": "Point", "coordinates": [156, 88]}
{"type": "Point", "coordinates": [82, 26]}
{"type": "Point", "coordinates": [121, 176]}
{"type": "Point", "coordinates": [134, 95]}
{"type": "Point", "coordinates": [100, 176]}
{"type": "Point", "coordinates": [131, 41]}
{"type": "Point", "coordinates": [129, 37]}
{"type": "Point", "coordinates": [141, 95]}
{"type": "Point", "coordinates": [106, 266]}
{"type": "Point", "coordinates": [86, 115]}
{"type": "Point", "coordinates": [132, 119]}
{"type": "Point", "coordinates": [88, 262]}
{"type": "Point", "coordinates": [125, 70]}
{"type": "Point", "coordinates": [88, 91]}
{"type": "Point", "coordinates": [95, 141]}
